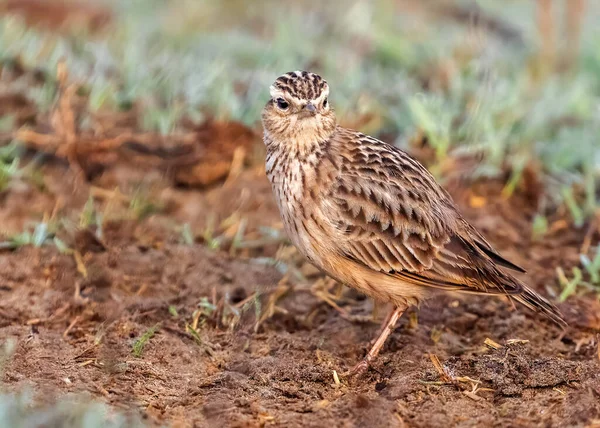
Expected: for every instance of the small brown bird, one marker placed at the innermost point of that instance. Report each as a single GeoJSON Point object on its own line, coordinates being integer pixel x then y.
{"type": "Point", "coordinates": [371, 216]}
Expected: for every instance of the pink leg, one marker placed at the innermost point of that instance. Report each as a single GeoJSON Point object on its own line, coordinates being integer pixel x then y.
{"type": "Point", "coordinates": [388, 327]}
{"type": "Point", "coordinates": [383, 327]}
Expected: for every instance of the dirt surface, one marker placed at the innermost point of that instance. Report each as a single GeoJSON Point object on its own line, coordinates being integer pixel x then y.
{"type": "Point", "coordinates": [185, 249]}
{"type": "Point", "coordinates": [76, 317]}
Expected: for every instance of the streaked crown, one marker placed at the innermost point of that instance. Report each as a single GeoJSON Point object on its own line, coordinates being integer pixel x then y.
{"type": "Point", "coordinates": [301, 85]}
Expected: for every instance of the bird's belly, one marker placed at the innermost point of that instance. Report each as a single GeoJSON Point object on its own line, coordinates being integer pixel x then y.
{"type": "Point", "coordinates": [310, 231]}
{"type": "Point", "coordinates": [377, 285]}
{"type": "Point", "coordinates": [313, 242]}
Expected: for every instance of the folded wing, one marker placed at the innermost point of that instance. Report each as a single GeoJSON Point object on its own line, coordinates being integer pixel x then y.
{"type": "Point", "coordinates": [391, 216]}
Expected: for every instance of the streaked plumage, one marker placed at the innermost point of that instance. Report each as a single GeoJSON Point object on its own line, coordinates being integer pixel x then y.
{"type": "Point", "coordinates": [367, 213]}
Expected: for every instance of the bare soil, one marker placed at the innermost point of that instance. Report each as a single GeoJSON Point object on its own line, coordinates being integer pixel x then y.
{"type": "Point", "coordinates": [75, 327]}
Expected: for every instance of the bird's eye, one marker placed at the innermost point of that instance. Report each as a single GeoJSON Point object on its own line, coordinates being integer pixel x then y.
{"type": "Point", "coordinates": [325, 103]}
{"type": "Point", "coordinates": [282, 104]}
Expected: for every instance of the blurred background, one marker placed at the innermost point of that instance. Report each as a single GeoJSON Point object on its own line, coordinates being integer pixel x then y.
{"type": "Point", "coordinates": [137, 124]}
{"type": "Point", "coordinates": [515, 82]}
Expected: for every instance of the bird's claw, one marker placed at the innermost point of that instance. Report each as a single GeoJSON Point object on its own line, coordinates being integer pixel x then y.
{"type": "Point", "coordinates": [358, 370]}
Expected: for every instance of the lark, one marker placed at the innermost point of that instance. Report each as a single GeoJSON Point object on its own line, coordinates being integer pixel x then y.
{"type": "Point", "coordinates": [369, 215]}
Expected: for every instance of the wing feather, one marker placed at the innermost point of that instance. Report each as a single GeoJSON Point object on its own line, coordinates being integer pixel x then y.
{"type": "Point", "coordinates": [394, 218]}
{"type": "Point", "coordinates": [388, 213]}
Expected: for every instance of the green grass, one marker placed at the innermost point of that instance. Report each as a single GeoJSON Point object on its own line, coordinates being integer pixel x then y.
{"type": "Point", "coordinates": [142, 204]}
{"type": "Point", "coordinates": [142, 341]}
{"type": "Point", "coordinates": [91, 217]}
{"type": "Point", "coordinates": [586, 277]}
{"type": "Point", "coordinates": [482, 94]}
{"type": "Point", "coordinates": [35, 234]}
{"type": "Point", "coordinates": [187, 236]}
{"type": "Point", "coordinates": [11, 171]}
{"type": "Point", "coordinates": [569, 286]}
{"type": "Point", "coordinates": [592, 266]}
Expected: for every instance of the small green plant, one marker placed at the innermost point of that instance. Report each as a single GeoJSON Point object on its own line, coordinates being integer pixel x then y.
{"type": "Point", "coordinates": [61, 246]}
{"type": "Point", "coordinates": [539, 226]}
{"type": "Point", "coordinates": [142, 341]}
{"type": "Point", "coordinates": [163, 120]}
{"type": "Point", "coordinates": [592, 267]}
{"type": "Point", "coordinates": [187, 236]}
{"type": "Point", "coordinates": [9, 171]}
{"type": "Point", "coordinates": [569, 286]}
{"type": "Point", "coordinates": [44, 95]}
{"type": "Point", "coordinates": [588, 277]}
{"type": "Point", "coordinates": [102, 94]}
{"type": "Point", "coordinates": [590, 176]}
{"type": "Point", "coordinates": [91, 217]}
{"type": "Point", "coordinates": [205, 308]}
{"type": "Point", "coordinates": [195, 335]}
{"type": "Point", "coordinates": [142, 206]}
{"type": "Point", "coordinates": [10, 165]}
{"type": "Point", "coordinates": [575, 210]}
{"type": "Point", "coordinates": [36, 235]}
{"type": "Point", "coordinates": [204, 311]}
{"type": "Point", "coordinates": [212, 242]}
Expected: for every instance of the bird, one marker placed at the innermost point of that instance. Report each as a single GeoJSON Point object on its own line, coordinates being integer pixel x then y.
{"type": "Point", "coordinates": [370, 216]}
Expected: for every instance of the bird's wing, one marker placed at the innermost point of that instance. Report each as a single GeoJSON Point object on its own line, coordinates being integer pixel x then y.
{"type": "Point", "coordinates": [391, 215]}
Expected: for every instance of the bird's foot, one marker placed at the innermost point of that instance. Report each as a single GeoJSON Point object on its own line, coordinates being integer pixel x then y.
{"type": "Point", "coordinates": [386, 329]}
{"type": "Point", "coordinates": [358, 370]}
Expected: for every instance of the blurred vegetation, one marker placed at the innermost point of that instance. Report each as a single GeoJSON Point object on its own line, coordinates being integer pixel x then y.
{"type": "Point", "coordinates": [395, 67]}
{"type": "Point", "coordinates": [21, 411]}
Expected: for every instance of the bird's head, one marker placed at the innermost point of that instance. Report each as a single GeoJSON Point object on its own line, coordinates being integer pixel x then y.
{"type": "Point", "coordinates": [298, 111]}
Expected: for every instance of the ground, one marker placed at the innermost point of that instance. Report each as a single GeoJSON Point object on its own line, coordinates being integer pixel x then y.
{"type": "Point", "coordinates": [143, 263]}
{"type": "Point", "coordinates": [76, 320]}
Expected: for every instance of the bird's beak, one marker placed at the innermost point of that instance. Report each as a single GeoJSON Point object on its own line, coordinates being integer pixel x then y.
{"type": "Point", "coordinates": [311, 108]}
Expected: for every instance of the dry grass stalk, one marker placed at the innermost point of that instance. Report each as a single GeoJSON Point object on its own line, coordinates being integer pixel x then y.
{"type": "Point", "coordinates": [440, 369]}
{"type": "Point", "coordinates": [70, 327]}
{"type": "Point", "coordinates": [459, 382]}
{"type": "Point", "coordinates": [492, 344]}
{"type": "Point", "coordinates": [271, 307]}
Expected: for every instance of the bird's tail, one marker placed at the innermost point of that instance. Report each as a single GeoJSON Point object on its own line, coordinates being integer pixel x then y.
{"type": "Point", "coordinates": [537, 303]}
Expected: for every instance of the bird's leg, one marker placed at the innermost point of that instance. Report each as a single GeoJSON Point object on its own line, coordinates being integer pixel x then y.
{"type": "Point", "coordinates": [383, 326]}
{"type": "Point", "coordinates": [388, 327]}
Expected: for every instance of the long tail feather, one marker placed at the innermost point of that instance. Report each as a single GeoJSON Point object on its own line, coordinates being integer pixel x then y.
{"type": "Point", "coordinates": [537, 303]}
